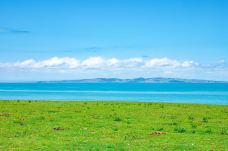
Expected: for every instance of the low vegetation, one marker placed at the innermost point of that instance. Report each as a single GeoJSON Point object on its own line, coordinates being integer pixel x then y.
{"type": "Point", "coordinates": [52, 125]}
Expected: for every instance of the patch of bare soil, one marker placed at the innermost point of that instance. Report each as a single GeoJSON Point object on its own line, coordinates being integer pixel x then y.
{"type": "Point", "coordinates": [157, 133]}
{"type": "Point", "coordinates": [58, 129]}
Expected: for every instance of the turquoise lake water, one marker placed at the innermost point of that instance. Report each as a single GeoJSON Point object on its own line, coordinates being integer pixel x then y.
{"type": "Point", "coordinates": [202, 93]}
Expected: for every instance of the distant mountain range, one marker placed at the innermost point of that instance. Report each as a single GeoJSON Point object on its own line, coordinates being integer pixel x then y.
{"type": "Point", "coordinates": [135, 80]}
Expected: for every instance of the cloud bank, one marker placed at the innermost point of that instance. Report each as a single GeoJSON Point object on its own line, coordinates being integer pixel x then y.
{"type": "Point", "coordinates": [58, 68]}
{"type": "Point", "coordinates": [97, 62]}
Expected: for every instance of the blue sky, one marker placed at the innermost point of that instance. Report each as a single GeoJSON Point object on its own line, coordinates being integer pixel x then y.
{"type": "Point", "coordinates": [166, 33]}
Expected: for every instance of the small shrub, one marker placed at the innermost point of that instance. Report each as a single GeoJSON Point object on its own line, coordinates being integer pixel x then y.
{"type": "Point", "coordinates": [194, 125]}
{"type": "Point", "coordinates": [224, 131]}
{"type": "Point", "coordinates": [161, 105]}
{"type": "Point", "coordinates": [193, 132]}
{"type": "Point", "coordinates": [117, 119]}
{"type": "Point", "coordinates": [160, 129]}
{"type": "Point", "coordinates": [42, 117]}
{"type": "Point", "coordinates": [110, 146]}
{"type": "Point", "coordinates": [205, 119]}
{"type": "Point", "coordinates": [208, 131]}
{"type": "Point", "coordinates": [191, 117]}
{"type": "Point", "coordinates": [179, 129]}
{"type": "Point", "coordinates": [128, 122]}
{"type": "Point", "coordinates": [174, 123]}
{"type": "Point", "coordinates": [115, 129]}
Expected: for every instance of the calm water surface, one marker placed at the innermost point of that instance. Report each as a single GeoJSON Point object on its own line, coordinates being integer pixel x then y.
{"type": "Point", "coordinates": [211, 93]}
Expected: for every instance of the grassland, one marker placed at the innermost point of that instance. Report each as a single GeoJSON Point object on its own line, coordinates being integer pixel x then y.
{"type": "Point", "coordinates": [50, 125]}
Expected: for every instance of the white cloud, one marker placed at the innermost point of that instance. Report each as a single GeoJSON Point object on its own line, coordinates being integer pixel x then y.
{"type": "Point", "coordinates": [25, 63]}
{"type": "Point", "coordinates": [113, 62]}
{"type": "Point", "coordinates": [93, 62]}
{"type": "Point", "coordinates": [166, 62]}
{"type": "Point", "coordinates": [132, 63]}
{"type": "Point", "coordinates": [98, 62]}
{"type": "Point", "coordinates": [189, 64]}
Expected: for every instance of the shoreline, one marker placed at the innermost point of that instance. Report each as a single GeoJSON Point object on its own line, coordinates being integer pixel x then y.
{"type": "Point", "coordinates": [111, 101]}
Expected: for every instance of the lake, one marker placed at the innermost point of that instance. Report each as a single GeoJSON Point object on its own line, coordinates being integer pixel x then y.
{"type": "Point", "coordinates": [202, 93]}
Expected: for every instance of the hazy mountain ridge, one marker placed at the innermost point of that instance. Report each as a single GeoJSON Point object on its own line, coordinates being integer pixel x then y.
{"type": "Point", "coordinates": [136, 80]}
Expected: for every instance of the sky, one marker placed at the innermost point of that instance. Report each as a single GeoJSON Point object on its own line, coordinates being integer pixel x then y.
{"type": "Point", "coordinates": [66, 39]}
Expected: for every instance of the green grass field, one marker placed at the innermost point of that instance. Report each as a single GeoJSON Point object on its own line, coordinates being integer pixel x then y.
{"type": "Point", "coordinates": [51, 125]}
